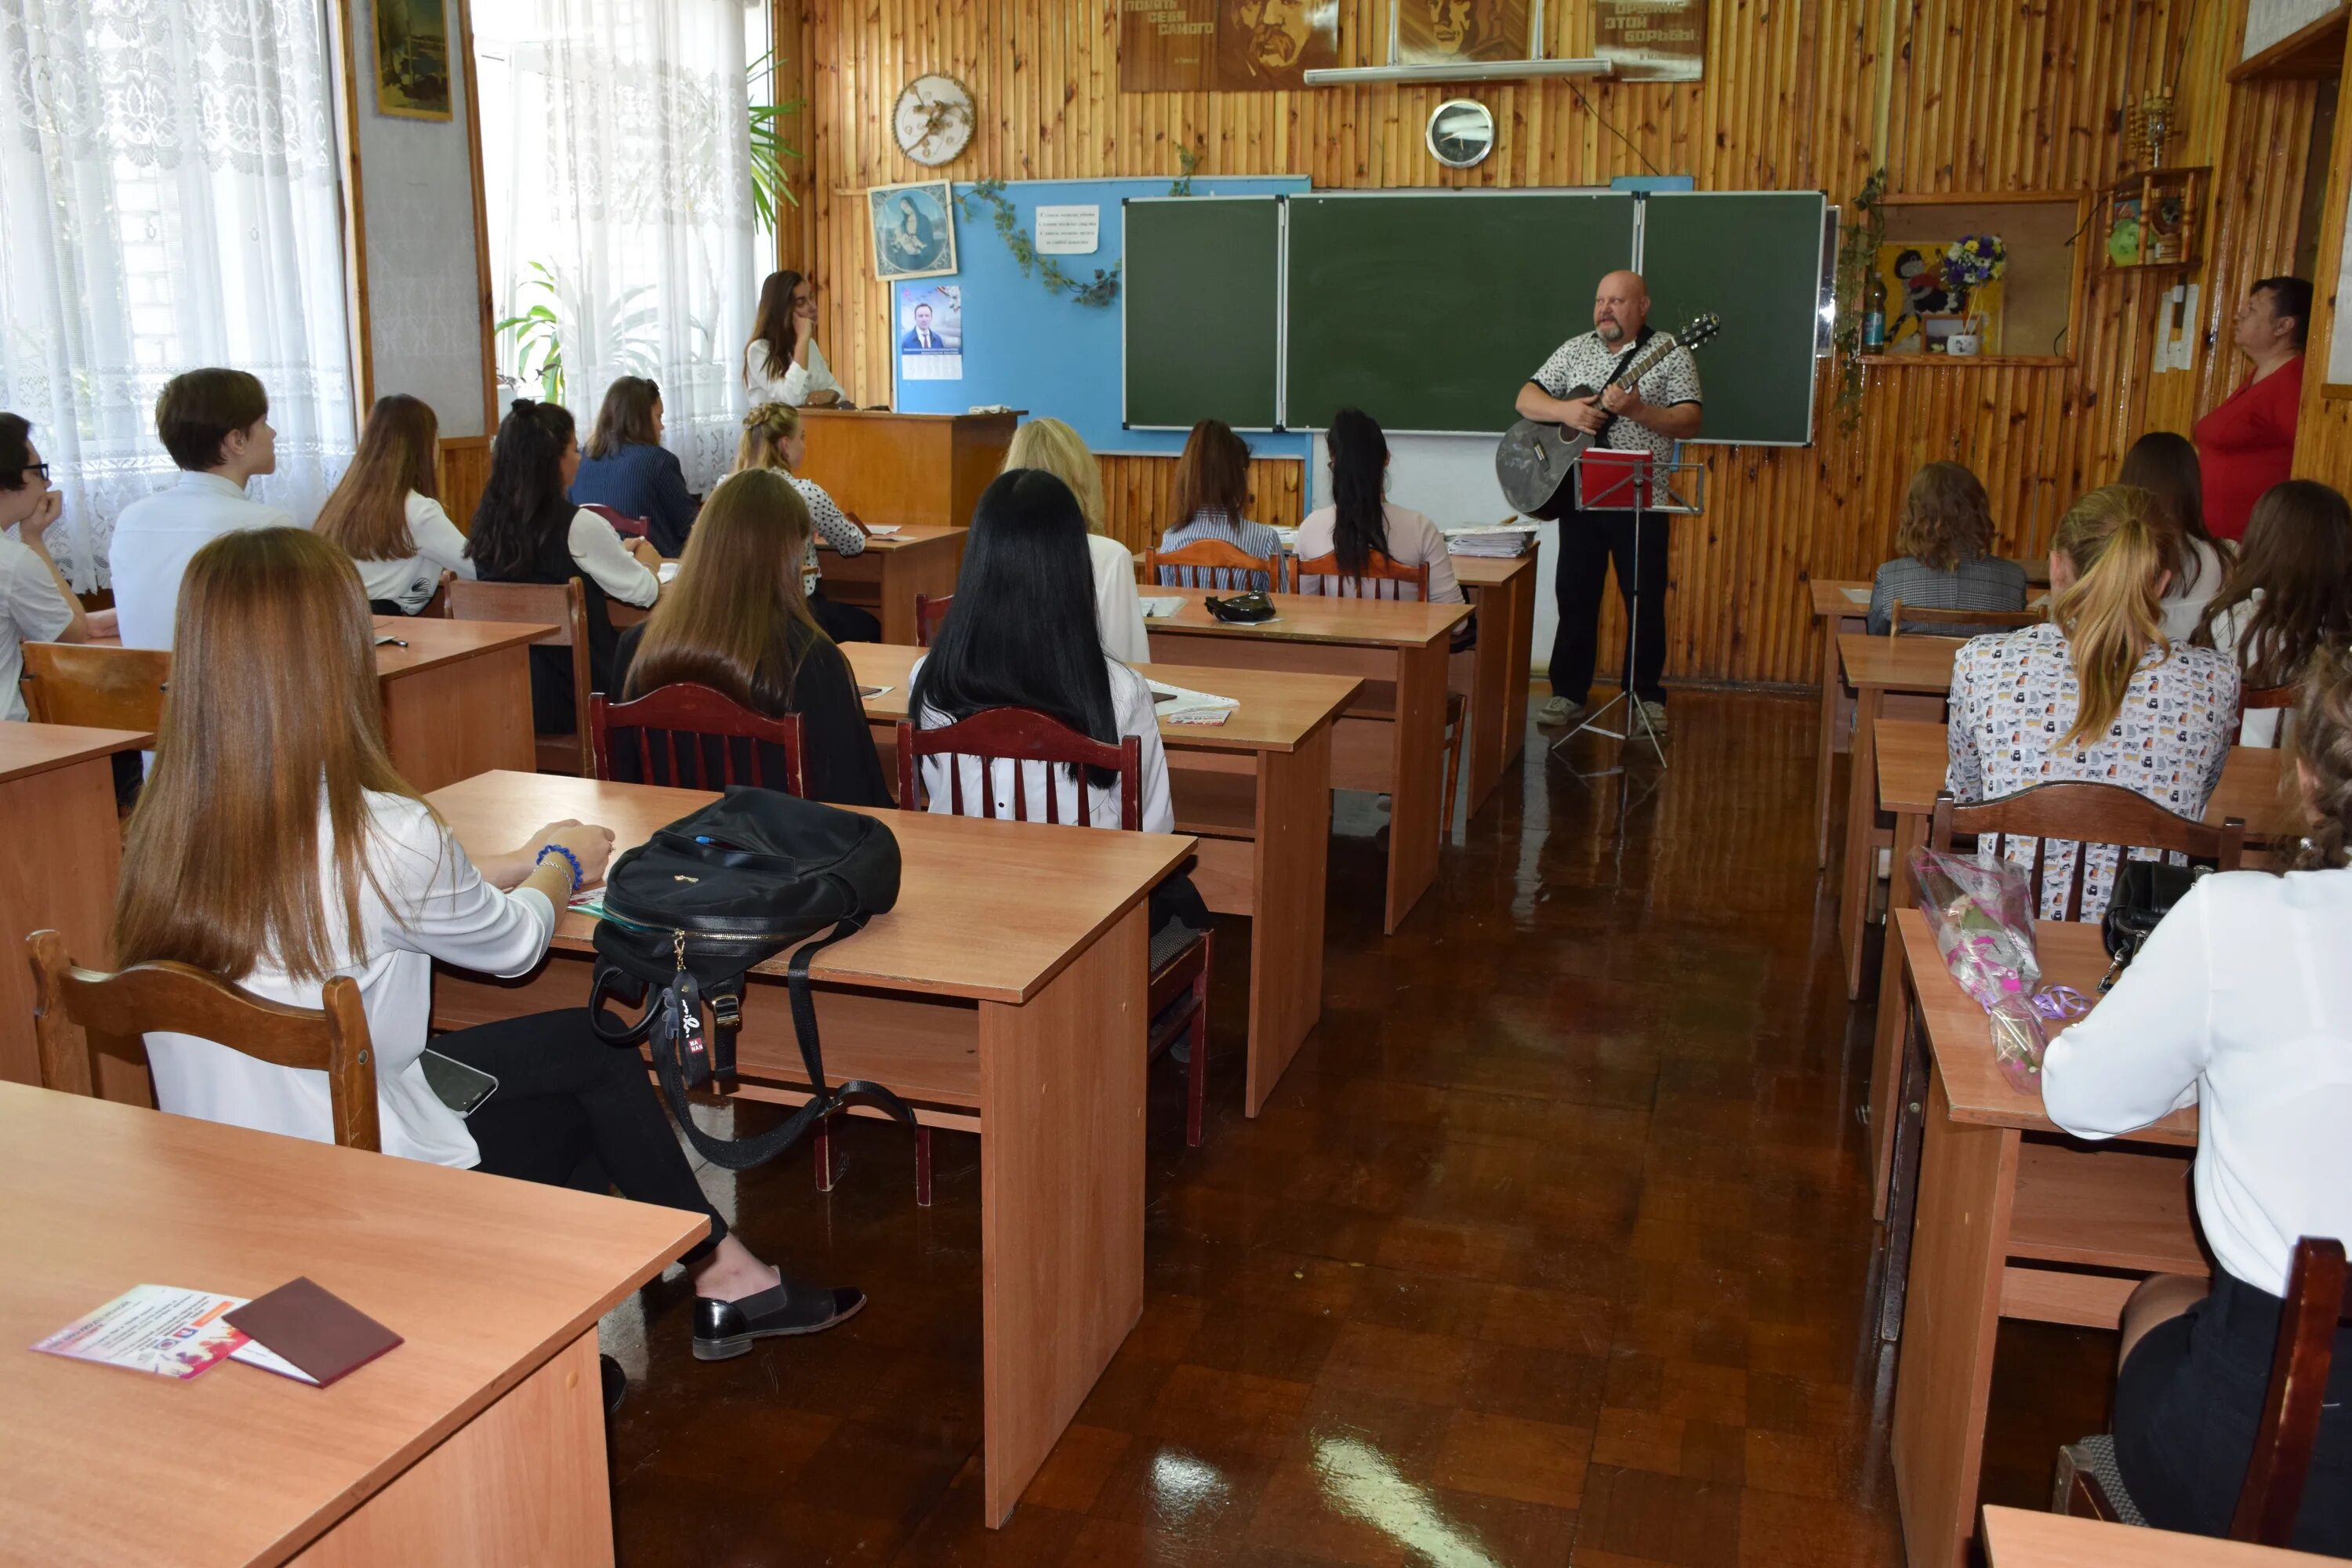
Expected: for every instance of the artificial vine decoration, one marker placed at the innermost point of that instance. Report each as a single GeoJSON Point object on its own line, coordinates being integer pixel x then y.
{"type": "Point", "coordinates": [1098, 294]}
{"type": "Point", "coordinates": [1187, 161]}
{"type": "Point", "coordinates": [1857, 256]}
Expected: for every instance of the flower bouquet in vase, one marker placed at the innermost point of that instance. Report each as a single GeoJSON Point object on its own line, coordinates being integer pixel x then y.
{"type": "Point", "coordinates": [1970, 265]}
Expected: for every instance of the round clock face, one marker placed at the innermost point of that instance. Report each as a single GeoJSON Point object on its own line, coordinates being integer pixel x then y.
{"type": "Point", "coordinates": [933, 120]}
{"type": "Point", "coordinates": [1461, 132]}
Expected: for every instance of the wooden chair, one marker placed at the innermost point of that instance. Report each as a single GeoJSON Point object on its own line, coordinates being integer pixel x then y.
{"type": "Point", "coordinates": [699, 714]}
{"type": "Point", "coordinates": [1209, 563]}
{"type": "Point", "coordinates": [564, 606]}
{"type": "Point", "coordinates": [2090, 1486]}
{"type": "Point", "coordinates": [76, 1011]}
{"type": "Point", "coordinates": [2253, 698]}
{"type": "Point", "coordinates": [1901, 615]}
{"type": "Point", "coordinates": [1381, 578]}
{"type": "Point", "coordinates": [1181, 962]}
{"type": "Point", "coordinates": [930, 614]}
{"type": "Point", "coordinates": [627, 526]}
{"type": "Point", "coordinates": [102, 687]}
{"type": "Point", "coordinates": [438, 606]}
{"type": "Point", "coordinates": [2087, 814]}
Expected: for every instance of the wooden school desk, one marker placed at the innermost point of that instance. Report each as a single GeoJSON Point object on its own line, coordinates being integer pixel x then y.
{"type": "Point", "coordinates": [1257, 793]}
{"type": "Point", "coordinates": [2023, 1537]}
{"type": "Point", "coordinates": [884, 578]}
{"type": "Point", "coordinates": [1841, 608]}
{"type": "Point", "coordinates": [1894, 678]}
{"type": "Point", "coordinates": [2006, 1218]}
{"type": "Point", "coordinates": [65, 852]}
{"type": "Point", "coordinates": [1503, 593]}
{"type": "Point", "coordinates": [1911, 758]}
{"type": "Point", "coordinates": [480, 1439]}
{"type": "Point", "coordinates": [1399, 753]}
{"type": "Point", "coordinates": [1006, 996]}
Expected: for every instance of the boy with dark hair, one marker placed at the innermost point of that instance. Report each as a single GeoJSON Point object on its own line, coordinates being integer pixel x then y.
{"type": "Point", "coordinates": [36, 604]}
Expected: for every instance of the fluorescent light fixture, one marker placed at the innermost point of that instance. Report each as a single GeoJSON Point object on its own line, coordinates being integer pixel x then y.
{"type": "Point", "coordinates": [1493, 70]}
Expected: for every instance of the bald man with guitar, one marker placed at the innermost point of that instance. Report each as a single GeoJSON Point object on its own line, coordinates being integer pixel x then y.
{"type": "Point", "coordinates": [1593, 383]}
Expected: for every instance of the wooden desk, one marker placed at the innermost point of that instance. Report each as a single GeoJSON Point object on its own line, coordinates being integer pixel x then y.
{"type": "Point", "coordinates": [1836, 614]}
{"type": "Point", "coordinates": [1005, 994]}
{"type": "Point", "coordinates": [2020, 1538]}
{"type": "Point", "coordinates": [1399, 751]}
{"type": "Point", "coordinates": [926, 469]}
{"type": "Point", "coordinates": [1912, 757]}
{"type": "Point", "coordinates": [1895, 677]}
{"type": "Point", "coordinates": [481, 1439]}
{"type": "Point", "coordinates": [885, 577]}
{"type": "Point", "coordinates": [2013, 1219]}
{"type": "Point", "coordinates": [1257, 793]}
{"type": "Point", "coordinates": [65, 853]}
{"type": "Point", "coordinates": [1503, 593]}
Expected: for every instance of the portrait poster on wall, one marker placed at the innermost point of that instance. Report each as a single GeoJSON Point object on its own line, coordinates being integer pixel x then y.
{"type": "Point", "coordinates": [412, 58]}
{"type": "Point", "coordinates": [1448, 32]}
{"type": "Point", "coordinates": [914, 236]}
{"type": "Point", "coordinates": [930, 332]}
{"type": "Point", "coordinates": [1228, 46]}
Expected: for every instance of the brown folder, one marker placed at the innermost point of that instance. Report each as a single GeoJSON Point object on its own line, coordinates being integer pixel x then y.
{"type": "Point", "coordinates": [319, 1331]}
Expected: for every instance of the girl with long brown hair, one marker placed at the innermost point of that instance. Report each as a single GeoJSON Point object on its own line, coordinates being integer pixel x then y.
{"type": "Point", "coordinates": [2098, 693]}
{"type": "Point", "coordinates": [276, 847]}
{"type": "Point", "coordinates": [1212, 489]}
{"type": "Point", "coordinates": [2240, 1004]}
{"type": "Point", "coordinates": [626, 467]}
{"type": "Point", "coordinates": [2289, 594]}
{"type": "Point", "coordinates": [773, 438]}
{"type": "Point", "coordinates": [1943, 547]}
{"type": "Point", "coordinates": [738, 621]}
{"type": "Point", "coordinates": [386, 514]}
{"type": "Point", "coordinates": [782, 363]}
{"type": "Point", "coordinates": [2164, 463]}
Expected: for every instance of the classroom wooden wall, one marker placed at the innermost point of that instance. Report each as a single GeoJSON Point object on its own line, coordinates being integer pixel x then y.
{"type": "Point", "coordinates": [2323, 435]}
{"type": "Point", "coordinates": [1949, 95]}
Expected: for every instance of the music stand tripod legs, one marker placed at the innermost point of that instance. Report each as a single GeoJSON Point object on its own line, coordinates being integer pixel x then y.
{"type": "Point", "coordinates": [1602, 478]}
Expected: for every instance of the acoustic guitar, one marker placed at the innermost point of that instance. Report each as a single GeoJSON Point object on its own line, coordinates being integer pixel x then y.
{"type": "Point", "coordinates": [1536, 461]}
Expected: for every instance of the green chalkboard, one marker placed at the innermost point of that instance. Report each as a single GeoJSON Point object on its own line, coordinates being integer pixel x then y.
{"type": "Point", "coordinates": [1203, 312]}
{"type": "Point", "coordinates": [1754, 257]}
{"type": "Point", "coordinates": [1430, 309]}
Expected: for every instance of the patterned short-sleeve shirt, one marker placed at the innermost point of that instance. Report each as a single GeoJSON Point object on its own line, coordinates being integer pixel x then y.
{"type": "Point", "coordinates": [1588, 362]}
{"type": "Point", "coordinates": [2015, 694]}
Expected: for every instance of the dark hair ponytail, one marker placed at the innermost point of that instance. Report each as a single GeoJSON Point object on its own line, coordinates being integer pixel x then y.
{"type": "Point", "coordinates": [1360, 461]}
{"type": "Point", "coordinates": [519, 502]}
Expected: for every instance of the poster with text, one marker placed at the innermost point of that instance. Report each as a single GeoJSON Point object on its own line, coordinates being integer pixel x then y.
{"type": "Point", "coordinates": [1651, 41]}
{"type": "Point", "coordinates": [1231, 45]}
{"type": "Point", "coordinates": [931, 332]}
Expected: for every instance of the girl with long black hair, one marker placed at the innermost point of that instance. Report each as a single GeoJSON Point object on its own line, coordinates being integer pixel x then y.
{"type": "Point", "coordinates": [1360, 521]}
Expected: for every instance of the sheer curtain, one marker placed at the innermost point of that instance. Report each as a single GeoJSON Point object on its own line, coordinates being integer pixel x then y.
{"type": "Point", "coordinates": [168, 199]}
{"type": "Point", "coordinates": [616, 130]}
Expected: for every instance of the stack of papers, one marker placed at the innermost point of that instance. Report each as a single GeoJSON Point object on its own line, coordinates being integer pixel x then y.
{"type": "Point", "coordinates": [1181, 705]}
{"type": "Point", "coordinates": [1500, 540]}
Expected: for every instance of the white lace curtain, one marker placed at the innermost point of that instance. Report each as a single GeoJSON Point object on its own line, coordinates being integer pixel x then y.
{"type": "Point", "coordinates": [167, 200]}
{"type": "Point", "coordinates": [626, 207]}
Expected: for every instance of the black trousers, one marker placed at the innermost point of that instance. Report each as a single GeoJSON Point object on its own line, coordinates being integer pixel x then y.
{"type": "Point", "coordinates": [572, 1111]}
{"type": "Point", "coordinates": [844, 623]}
{"type": "Point", "coordinates": [1588, 542]}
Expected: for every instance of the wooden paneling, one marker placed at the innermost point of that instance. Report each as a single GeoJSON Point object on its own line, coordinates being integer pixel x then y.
{"type": "Point", "coordinates": [1950, 95]}
{"type": "Point", "coordinates": [2323, 438]}
{"type": "Point", "coordinates": [463, 472]}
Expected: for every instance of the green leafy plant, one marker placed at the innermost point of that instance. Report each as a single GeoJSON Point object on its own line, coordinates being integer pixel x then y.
{"type": "Point", "coordinates": [1098, 294]}
{"type": "Point", "coordinates": [1857, 258]}
{"type": "Point", "coordinates": [563, 328]}
{"type": "Point", "coordinates": [1187, 161]}
{"type": "Point", "coordinates": [770, 191]}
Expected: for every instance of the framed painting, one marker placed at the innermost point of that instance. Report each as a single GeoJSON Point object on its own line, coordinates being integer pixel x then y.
{"type": "Point", "coordinates": [914, 230]}
{"type": "Point", "coordinates": [412, 58]}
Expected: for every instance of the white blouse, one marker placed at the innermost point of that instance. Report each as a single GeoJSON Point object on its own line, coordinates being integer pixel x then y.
{"type": "Point", "coordinates": [796, 385]}
{"type": "Point", "coordinates": [1131, 696]}
{"type": "Point", "coordinates": [2262, 726]}
{"type": "Point", "coordinates": [2241, 1004]}
{"type": "Point", "coordinates": [1411, 538]}
{"type": "Point", "coordinates": [1118, 609]}
{"type": "Point", "coordinates": [431, 904]}
{"type": "Point", "coordinates": [598, 551]}
{"type": "Point", "coordinates": [410, 581]}
{"type": "Point", "coordinates": [2184, 606]}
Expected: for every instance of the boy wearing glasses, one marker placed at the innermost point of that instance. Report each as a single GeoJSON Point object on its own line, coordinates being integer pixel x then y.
{"type": "Point", "coordinates": [35, 605]}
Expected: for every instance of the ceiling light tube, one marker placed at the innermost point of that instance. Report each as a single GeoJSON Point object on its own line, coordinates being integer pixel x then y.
{"type": "Point", "coordinates": [1496, 70]}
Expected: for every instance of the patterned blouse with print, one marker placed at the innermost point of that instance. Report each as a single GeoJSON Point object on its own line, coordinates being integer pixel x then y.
{"type": "Point", "coordinates": [2014, 695]}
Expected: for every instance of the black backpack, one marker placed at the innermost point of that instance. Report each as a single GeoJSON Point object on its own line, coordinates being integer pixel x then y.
{"type": "Point", "coordinates": [692, 908]}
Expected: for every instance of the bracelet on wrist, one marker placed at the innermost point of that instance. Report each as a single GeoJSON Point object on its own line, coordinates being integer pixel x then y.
{"type": "Point", "coordinates": [579, 875]}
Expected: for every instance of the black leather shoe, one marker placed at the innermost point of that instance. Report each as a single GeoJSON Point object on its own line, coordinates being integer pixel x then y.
{"type": "Point", "coordinates": [723, 1329]}
{"type": "Point", "coordinates": [616, 1383]}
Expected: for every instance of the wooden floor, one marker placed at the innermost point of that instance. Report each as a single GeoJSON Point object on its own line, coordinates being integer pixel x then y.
{"type": "Point", "coordinates": [1554, 1244]}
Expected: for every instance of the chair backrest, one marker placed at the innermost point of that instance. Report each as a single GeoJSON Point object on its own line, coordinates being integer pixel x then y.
{"type": "Point", "coordinates": [627, 526]}
{"type": "Point", "coordinates": [564, 606]}
{"type": "Point", "coordinates": [102, 687]}
{"type": "Point", "coordinates": [2088, 814]}
{"type": "Point", "coordinates": [695, 713]}
{"type": "Point", "coordinates": [1018, 736]}
{"type": "Point", "coordinates": [1381, 578]}
{"type": "Point", "coordinates": [2251, 698]}
{"type": "Point", "coordinates": [77, 1010]}
{"type": "Point", "coordinates": [930, 613]}
{"type": "Point", "coordinates": [438, 606]}
{"type": "Point", "coordinates": [1901, 615]}
{"type": "Point", "coordinates": [2315, 1309]}
{"type": "Point", "coordinates": [1209, 563]}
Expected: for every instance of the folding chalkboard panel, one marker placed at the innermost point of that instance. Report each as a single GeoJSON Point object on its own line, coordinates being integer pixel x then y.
{"type": "Point", "coordinates": [1754, 257]}
{"type": "Point", "coordinates": [1203, 312]}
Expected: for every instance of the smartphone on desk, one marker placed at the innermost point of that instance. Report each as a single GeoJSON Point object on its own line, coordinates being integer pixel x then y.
{"type": "Point", "coordinates": [459, 1087]}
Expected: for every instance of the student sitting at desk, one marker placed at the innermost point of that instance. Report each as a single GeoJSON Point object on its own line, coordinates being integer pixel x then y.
{"type": "Point", "coordinates": [528, 531]}
{"type": "Point", "coordinates": [626, 468]}
{"type": "Point", "coordinates": [35, 603]}
{"type": "Point", "coordinates": [1946, 560]}
{"type": "Point", "coordinates": [386, 515]}
{"type": "Point", "coordinates": [1212, 489]}
{"type": "Point", "coordinates": [216, 425]}
{"type": "Point", "coordinates": [1360, 520]}
{"type": "Point", "coordinates": [2097, 693]}
{"type": "Point", "coordinates": [1052, 447]}
{"type": "Point", "coordinates": [736, 621]}
{"type": "Point", "coordinates": [2241, 1004]}
{"type": "Point", "coordinates": [276, 847]}
{"type": "Point", "coordinates": [772, 439]}
{"type": "Point", "coordinates": [2289, 594]}
{"type": "Point", "coordinates": [2165, 465]}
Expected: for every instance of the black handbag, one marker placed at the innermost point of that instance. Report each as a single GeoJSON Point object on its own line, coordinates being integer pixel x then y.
{"type": "Point", "coordinates": [693, 908]}
{"type": "Point", "coordinates": [1245, 608]}
{"type": "Point", "coordinates": [2145, 892]}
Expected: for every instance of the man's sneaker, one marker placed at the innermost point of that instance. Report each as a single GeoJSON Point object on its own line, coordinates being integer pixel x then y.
{"type": "Point", "coordinates": [1655, 712]}
{"type": "Point", "coordinates": [1560, 711]}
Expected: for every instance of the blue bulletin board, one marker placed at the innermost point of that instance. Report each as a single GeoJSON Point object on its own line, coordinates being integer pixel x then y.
{"type": "Point", "coordinates": [1029, 350]}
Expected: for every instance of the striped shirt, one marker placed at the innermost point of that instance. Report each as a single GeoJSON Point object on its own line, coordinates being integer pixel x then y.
{"type": "Point", "coordinates": [1251, 537]}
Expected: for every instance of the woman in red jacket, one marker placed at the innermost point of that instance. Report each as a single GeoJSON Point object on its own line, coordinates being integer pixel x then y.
{"type": "Point", "coordinates": [2247, 444]}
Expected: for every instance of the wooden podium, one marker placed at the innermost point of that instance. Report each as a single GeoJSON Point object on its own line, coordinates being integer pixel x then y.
{"type": "Point", "coordinates": [906, 468]}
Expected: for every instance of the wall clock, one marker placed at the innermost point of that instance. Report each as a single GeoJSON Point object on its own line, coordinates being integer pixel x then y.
{"type": "Point", "coordinates": [1461, 132]}
{"type": "Point", "coordinates": [934, 118]}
